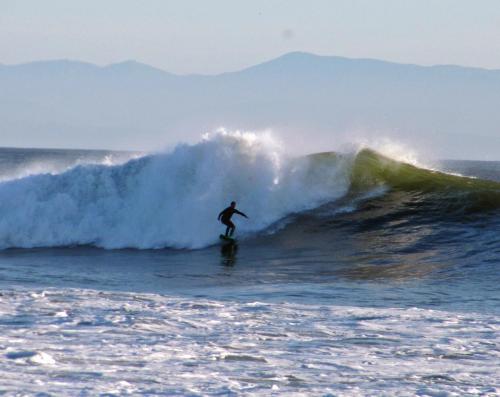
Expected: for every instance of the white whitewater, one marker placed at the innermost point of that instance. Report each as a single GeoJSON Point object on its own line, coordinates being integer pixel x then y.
{"type": "Point", "coordinates": [85, 342]}
{"type": "Point", "coordinates": [167, 199]}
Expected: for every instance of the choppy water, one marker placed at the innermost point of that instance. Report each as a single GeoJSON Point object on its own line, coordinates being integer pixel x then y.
{"type": "Point", "coordinates": [390, 287]}
{"type": "Point", "coordinates": [90, 342]}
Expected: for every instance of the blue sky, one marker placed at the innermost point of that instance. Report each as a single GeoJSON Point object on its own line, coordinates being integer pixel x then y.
{"type": "Point", "coordinates": [221, 35]}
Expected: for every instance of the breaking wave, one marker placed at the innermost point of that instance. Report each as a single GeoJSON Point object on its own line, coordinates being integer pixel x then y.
{"type": "Point", "coordinates": [172, 199]}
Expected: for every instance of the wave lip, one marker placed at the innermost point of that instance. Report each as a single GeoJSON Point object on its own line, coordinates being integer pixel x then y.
{"type": "Point", "coordinates": [449, 192]}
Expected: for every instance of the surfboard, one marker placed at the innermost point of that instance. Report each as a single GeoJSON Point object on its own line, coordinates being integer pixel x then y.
{"type": "Point", "coordinates": [227, 238]}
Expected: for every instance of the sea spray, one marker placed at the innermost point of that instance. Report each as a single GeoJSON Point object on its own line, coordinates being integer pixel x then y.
{"type": "Point", "coordinates": [172, 199]}
{"type": "Point", "coordinates": [18, 163]}
{"type": "Point", "coordinates": [167, 199]}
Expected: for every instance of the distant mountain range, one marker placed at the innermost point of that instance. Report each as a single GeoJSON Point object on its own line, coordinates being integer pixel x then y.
{"type": "Point", "coordinates": [314, 102]}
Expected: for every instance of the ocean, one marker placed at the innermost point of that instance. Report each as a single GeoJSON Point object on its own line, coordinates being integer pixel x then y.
{"type": "Point", "coordinates": [356, 273]}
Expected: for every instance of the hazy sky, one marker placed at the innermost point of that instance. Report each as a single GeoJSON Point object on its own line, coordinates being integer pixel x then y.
{"type": "Point", "coordinates": [211, 36]}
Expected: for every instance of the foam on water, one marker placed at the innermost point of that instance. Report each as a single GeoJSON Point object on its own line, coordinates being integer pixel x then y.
{"type": "Point", "coordinates": [170, 199]}
{"type": "Point", "coordinates": [271, 318]}
{"type": "Point", "coordinates": [119, 343]}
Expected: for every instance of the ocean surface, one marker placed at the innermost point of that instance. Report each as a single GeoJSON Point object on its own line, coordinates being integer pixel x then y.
{"type": "Point", "coordinates": [356, 274]}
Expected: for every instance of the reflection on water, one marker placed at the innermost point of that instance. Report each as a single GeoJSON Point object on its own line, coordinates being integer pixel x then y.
{"type": "Point", "coordinates": [393, 272]}
{"type": "Point", "coordinates": [228, 254]}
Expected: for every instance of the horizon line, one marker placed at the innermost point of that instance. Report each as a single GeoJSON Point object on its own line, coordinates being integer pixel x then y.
{"type": "Point", "coordinates": [146, 152]}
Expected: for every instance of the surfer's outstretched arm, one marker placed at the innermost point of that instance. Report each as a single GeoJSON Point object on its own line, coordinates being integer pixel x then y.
{"type": "Point", "coordinates": [240, 213]}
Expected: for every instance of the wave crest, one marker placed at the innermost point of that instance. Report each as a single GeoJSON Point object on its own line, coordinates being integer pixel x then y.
{"type": "Point", "coordinates": [166, 200]}
{"type": "Point", "coordinates": [172, 199]}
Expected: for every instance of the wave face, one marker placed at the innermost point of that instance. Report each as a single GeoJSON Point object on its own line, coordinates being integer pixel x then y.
{"type": "Point", "coordinates": [446, 193]}
{"type": "Point", "coordinates": [166, 200]}
{"type": "Point", "coordinates": [172, 199]}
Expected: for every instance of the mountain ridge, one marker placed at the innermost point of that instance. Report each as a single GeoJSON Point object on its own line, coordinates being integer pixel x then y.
{"type": "Point", "coordinates": [292, 56]}
{"type": "Point", "coordinates": [313, 102]}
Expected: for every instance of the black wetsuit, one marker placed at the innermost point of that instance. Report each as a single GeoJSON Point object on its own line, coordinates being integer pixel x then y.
{"type": "Point", "coordinates": [225, 218]}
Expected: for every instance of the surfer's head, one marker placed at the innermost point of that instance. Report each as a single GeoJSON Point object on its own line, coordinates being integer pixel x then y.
{"type": "Point", "coordinates": [233, 204]}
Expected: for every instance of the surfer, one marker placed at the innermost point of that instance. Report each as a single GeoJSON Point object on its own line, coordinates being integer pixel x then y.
{"type": "Point", "coordinates": [225, 218]}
